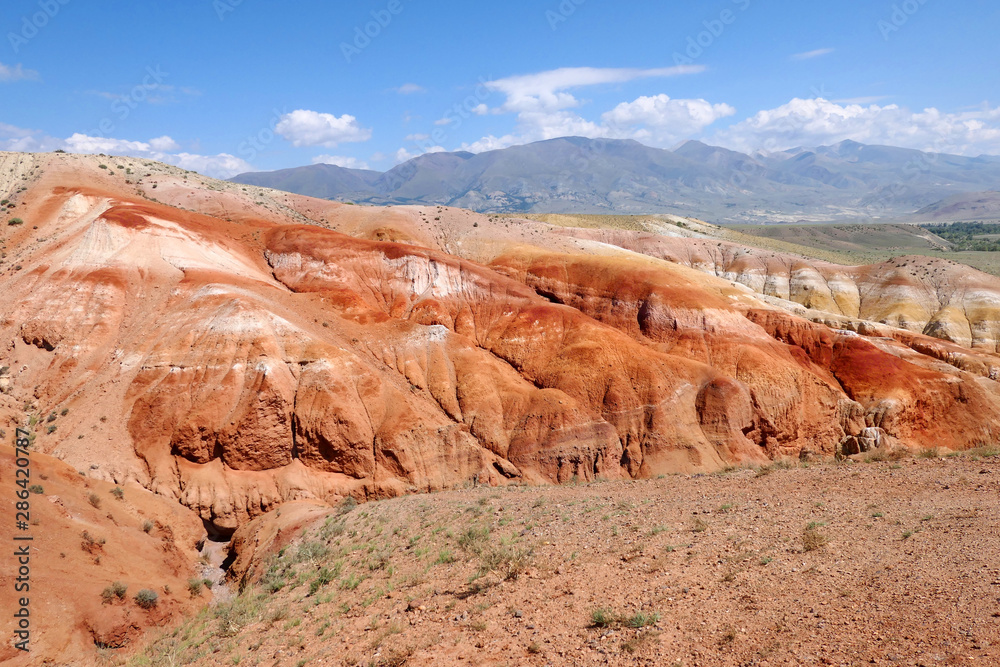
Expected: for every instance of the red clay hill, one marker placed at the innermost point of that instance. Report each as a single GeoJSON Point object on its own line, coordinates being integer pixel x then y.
{"type": "Point", "coordinates": [232, 347]}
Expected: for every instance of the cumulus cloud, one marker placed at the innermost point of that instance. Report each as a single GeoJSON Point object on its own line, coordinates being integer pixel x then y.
{"type": "Point", "coordinates": [661, 120]}
{"type": "Point", "coordinates": [809, 55]}
{"type": "Point", "coordinates": [340, 161]}
{"type": "Point", "coordinates": [545, 108]}
{"type": "Point", "coordinates": [402, 155]}
{"type": "Point", "coordinates": [311, 128]}
{"type": "Point", "coordinates": [164, 143]}
{"type": "Point", "coordinates": [19, 139]}
{"type": "Point", "coordinates": [82, 143]}
{"type": "Point", "coordinates": [492, 143]}
{"type": "Point", "coordinates": [548, 90]}
{"type": "Point", "coordinates": [161, 149]}
{"type": "Point", "coordinates": [222, 165]}
{"type": "Point", "coordinates": [10, 73]}
{"type": "Point", "coordinates": [814, 122]}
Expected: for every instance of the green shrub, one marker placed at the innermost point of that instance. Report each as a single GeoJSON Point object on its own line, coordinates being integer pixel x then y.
{"type": "Point", "coordinates": [641, 619]}
{"type": "Point", "coordinates": [36, 488]}
{"type": "Point", "coordinates": [94, 500]}
{"type": "Point", "coordinates": [118, 492]}
{"type": "Point", "coordinates": [603, 618]}
{"type": "Point", "coordinates": [15, 221]}
{"type": "Point", "coordinates": [194, 587]}
{"type": "Point", "coordinates": [146, 598]}
{"type": "Point", "coordinates": [115, 590]}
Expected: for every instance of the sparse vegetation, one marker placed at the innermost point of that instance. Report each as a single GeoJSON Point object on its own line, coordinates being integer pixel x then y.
{"type": "Point", "coordinates": [115, 590]}
{"type": "Point", "coordinates": [506, 561]}
{"type": "Point", "coordinates": [604, 617]}
{"type": "Point", "coordinates": [812, 539]}
{"type": "Point", "coordinates": [146, 598]}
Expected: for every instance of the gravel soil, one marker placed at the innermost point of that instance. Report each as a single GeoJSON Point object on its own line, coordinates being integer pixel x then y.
{"type": "Point", "coordinates": [882, 562]}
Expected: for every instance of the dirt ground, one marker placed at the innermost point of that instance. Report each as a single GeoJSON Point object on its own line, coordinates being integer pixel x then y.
{"type": "Point", "coordinates": [882, 562]}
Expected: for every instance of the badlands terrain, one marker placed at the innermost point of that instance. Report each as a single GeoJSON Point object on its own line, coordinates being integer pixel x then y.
{"type": "Point", "coordinates": [226, 361]}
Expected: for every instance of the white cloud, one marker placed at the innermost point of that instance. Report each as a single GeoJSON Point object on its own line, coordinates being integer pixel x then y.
{"type": "Point", "coordinates": [402, 155]}
{"type": "Point", "coordinates": [491, 143]}
{"type": "Point", "coordinates": [410, 89]}
{"type": "Point", "coordinates": [815, 122]}
{"type": "Point", "coordinates": [661, 120]}
{"type": "Point", "coordinates": [418, 137]}
{"type": "Point", "coordinates": [340, 161]}
{"type": "Point", "coordinates": [17, 73]}
{"type": "Point", "coordinates": [547, 90]}
{"type": "Point", "coordinates": [82, 143]}
{"type": "Point", "coordinates": [164, 143]}
{"type": "Point", "coordinates": [222, 165]}
{"type": "Point", "coordinates": [311, 128]}
{"type": "Point", "coordinates": [161, 149]}
{"type": "Point", "coordinates": [19, 139]}
{"type": "Point", "coordinates": [543, 105]}
{"type": "Point", "coordinates": [808, 55]}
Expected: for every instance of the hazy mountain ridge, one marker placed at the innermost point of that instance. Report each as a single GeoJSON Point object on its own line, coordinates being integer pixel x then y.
{"type": "Point", "coordinates": [848, 180]}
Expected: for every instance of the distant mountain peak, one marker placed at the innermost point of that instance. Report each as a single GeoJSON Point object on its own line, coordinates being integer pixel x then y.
{"type": "Point", "coordinates": [846, 181]}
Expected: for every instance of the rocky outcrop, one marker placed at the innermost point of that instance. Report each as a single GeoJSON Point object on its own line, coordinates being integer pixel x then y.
{"type": "Point", "coordinates": [936, 297]}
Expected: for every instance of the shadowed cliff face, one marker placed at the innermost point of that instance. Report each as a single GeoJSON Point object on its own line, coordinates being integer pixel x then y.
{"type": "Point", "coordinates": [246, 352]}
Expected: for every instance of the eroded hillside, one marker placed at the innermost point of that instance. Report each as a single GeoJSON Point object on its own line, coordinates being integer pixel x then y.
{"type": "Point", "coordinates": [234, 348]}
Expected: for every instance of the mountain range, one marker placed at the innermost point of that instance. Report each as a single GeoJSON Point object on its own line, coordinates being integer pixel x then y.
{"type": "Point", "coordinates": [846, 181]}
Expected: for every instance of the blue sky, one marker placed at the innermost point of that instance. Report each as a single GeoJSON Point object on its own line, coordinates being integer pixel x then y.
{"type": "Point", "coordinates": [223, 86]}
